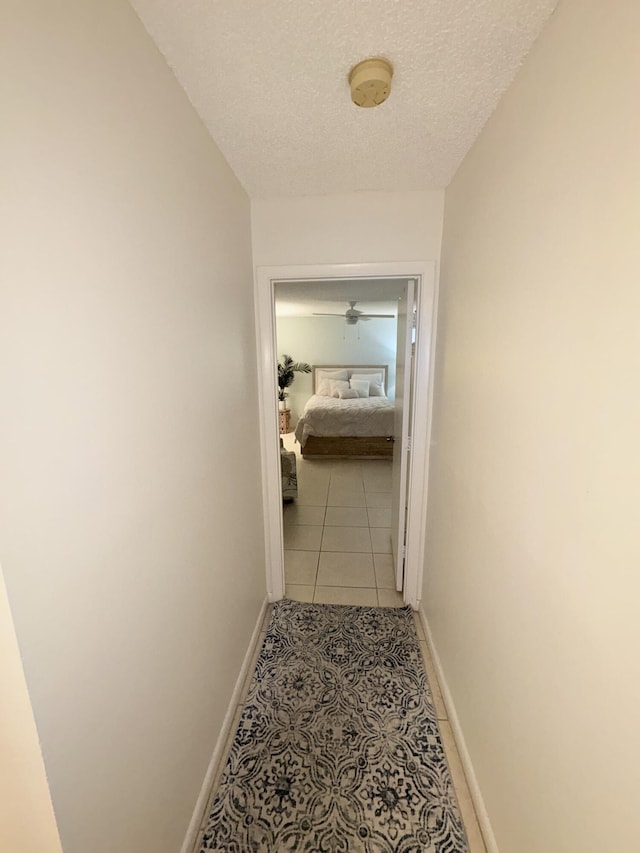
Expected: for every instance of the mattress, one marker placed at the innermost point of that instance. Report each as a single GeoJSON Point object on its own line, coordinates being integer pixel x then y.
{"type": "Point", "coordinates": [331, 416]}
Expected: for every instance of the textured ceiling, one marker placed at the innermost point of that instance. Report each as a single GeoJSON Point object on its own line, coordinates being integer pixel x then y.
{"type": "Point", "coordinates": [269, 79]}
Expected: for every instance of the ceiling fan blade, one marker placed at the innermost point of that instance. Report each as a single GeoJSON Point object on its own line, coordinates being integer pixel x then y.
{"type": "Point", "coordinates": [321, 314]}
{"type": "Point", "coordinates": [368, 316]}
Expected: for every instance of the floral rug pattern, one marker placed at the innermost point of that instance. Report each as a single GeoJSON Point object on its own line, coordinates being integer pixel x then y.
{"type": "Point", "coordinates": [338, 748]}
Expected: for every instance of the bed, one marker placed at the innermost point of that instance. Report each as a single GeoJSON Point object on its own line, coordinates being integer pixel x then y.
{"type": "Point", "coordinates": [337, 423]}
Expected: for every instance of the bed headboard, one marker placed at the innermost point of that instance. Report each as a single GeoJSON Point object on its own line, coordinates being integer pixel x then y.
{"type": "Point", "coordinates": [352, 368]}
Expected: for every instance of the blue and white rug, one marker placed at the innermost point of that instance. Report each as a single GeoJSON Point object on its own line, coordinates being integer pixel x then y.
{"type": "Point", "coordinates": [338, 748]}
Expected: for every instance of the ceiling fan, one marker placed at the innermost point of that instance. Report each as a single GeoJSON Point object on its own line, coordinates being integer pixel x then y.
{"type": "Point", "coordinates": [352, 315]}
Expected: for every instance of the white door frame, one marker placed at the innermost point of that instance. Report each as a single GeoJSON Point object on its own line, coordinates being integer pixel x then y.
{"type": "Point", "coordinates": [266, 277]}
{"type": "Point", "coordinates": [402, 428]}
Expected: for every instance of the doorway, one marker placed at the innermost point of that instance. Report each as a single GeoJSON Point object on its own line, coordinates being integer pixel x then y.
{"type": "Point", "coordinates": [338, 510]}
{"type": "Point", "coordinates": [416, 463]}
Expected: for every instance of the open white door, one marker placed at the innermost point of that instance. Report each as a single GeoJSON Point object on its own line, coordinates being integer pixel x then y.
{"type": "Point", "coordinates": [401, 432]}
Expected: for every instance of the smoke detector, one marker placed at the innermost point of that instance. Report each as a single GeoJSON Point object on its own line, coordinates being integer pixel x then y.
{"type": "Point", "coordinates": [370, 82]}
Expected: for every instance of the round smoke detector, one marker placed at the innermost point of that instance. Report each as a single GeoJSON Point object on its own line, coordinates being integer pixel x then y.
{"type": "Point", "coordinates": [370, 82]}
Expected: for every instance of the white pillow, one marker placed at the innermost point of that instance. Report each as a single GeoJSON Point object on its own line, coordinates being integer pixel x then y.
{"type": "Point", "coordinates": [348, 394]}
{"type": "Point", "coordinates": [376, 385]}
{"type": "Point", "coordinates": [323, 377]}
{"type": "Point", "coordinates": [338, 373]}
{"type": "Point", "coordinates": [361, 386]}
{"type": "Point", "coordinates": [337, 385]}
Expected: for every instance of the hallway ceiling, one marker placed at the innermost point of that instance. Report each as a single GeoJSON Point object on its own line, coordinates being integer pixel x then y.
{"type": "Point", "coordinates": [269, 80]}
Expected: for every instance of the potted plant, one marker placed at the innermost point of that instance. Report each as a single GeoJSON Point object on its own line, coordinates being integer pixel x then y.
{"type": "Point", "coordinates": [287, 369]}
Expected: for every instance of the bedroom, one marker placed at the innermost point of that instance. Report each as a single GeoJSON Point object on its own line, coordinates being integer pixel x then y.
{"type": "Point", "coordinates": [337, 530]}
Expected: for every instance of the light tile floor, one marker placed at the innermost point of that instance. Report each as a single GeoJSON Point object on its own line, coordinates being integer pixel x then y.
{"type": "Point", "coordinates": [337, 533]}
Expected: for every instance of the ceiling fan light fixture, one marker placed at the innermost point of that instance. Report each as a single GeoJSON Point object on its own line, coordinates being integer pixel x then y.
{"type": "Point", "coordinates": [352, 316]}
{"type": "Point", "coordinates": [370, 82]}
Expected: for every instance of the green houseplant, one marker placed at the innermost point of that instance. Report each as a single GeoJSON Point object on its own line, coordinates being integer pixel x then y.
{"type": "Point", "coordinates": [287, 369]}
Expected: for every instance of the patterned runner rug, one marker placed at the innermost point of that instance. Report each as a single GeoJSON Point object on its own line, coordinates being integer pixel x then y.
{"type": "Point", "coordinates": [338, 747]}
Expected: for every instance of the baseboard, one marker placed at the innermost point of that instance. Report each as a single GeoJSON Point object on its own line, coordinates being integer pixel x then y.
{"type": "Point", "coordinates": [203, 799]}
{"type": "Point", "coordinates": [465, 758]}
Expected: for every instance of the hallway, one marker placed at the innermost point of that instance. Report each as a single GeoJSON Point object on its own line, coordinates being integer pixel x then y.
{"type": "Point", "coordinates": [140, 244]}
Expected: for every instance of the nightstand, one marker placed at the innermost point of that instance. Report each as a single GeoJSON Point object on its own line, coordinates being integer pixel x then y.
{"type": "Point", "coordinates": [284, 416]}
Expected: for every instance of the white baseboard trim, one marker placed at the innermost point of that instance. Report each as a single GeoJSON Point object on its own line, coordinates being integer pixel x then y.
{"type": "Point", "coordinates": [465, 758]}
{"type": "Point", "coordinates": [202, 802]}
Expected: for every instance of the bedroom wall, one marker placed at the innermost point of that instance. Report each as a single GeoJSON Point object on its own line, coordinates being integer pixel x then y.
{"type": "Point", "coordinates": [531, 581]}
{"type": "Point", "coordinates": [323, 340]}
{"type": "Point", "coordinates": [129, 442]}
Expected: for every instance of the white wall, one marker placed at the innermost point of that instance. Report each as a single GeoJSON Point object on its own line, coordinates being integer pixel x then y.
{"type": "Point", "coordinates": [126, 306]}
{"type": "Point", "coordinates": [325, 340]}
{"type": "Point", "coordinates": [350, 228]}
{"type": "Point", "coordinates": [532, 581]}
{"type": "Point", "coordinates": [27, 822]}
